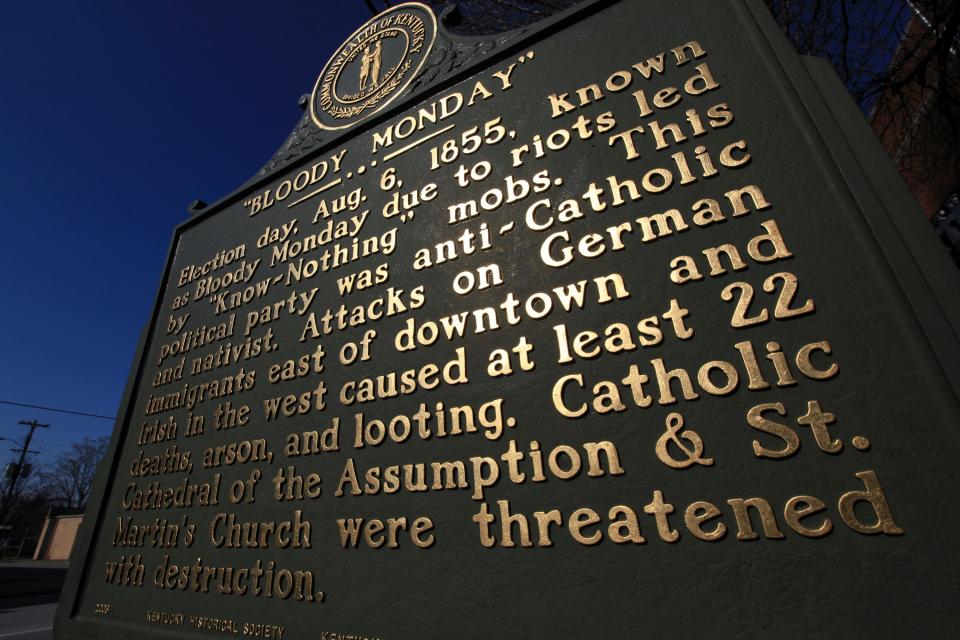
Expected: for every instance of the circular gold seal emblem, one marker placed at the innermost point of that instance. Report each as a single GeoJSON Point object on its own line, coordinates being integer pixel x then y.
{"type": "Point", "coordinates": [376, 63]}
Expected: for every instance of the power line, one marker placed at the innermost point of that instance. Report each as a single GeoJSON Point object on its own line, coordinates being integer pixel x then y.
{"type": "Point", "coordinates": [76, 413]}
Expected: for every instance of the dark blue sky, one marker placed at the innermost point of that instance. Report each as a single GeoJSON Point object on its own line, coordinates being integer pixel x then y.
{"type": "Point", "coordinates": [113, 117]}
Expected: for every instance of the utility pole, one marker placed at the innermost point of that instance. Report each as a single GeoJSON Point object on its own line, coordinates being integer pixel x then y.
{"type": "Point", "coordinates": [14, 478]}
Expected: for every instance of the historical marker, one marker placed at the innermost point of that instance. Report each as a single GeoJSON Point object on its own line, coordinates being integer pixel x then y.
{"type": "Point", "coordinates": [615, 326]}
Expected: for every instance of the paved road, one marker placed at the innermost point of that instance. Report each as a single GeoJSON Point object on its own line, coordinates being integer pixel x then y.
{"type": "Point", "coordinates": [28, 599]}
{"type": "Point", "coordinates": [29, 622]}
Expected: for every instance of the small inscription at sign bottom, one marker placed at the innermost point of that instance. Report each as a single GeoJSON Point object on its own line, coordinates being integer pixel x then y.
{"type": "Point", "coordinates": [219, 625]}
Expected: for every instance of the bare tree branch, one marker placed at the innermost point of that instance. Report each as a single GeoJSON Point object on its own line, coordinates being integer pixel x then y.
{"type": "Point", "coordinates": [70, 479]}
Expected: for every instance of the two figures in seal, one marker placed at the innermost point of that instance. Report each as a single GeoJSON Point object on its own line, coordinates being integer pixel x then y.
{"type": "Point", "coordinates": [370, 65]}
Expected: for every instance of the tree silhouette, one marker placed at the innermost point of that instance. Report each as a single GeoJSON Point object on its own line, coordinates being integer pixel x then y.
{"type": "Point", "coordinates": [69, 480]}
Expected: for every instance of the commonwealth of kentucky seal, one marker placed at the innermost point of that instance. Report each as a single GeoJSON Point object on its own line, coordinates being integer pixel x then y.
{"type": "Point", "coordinates": [373, 66]}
